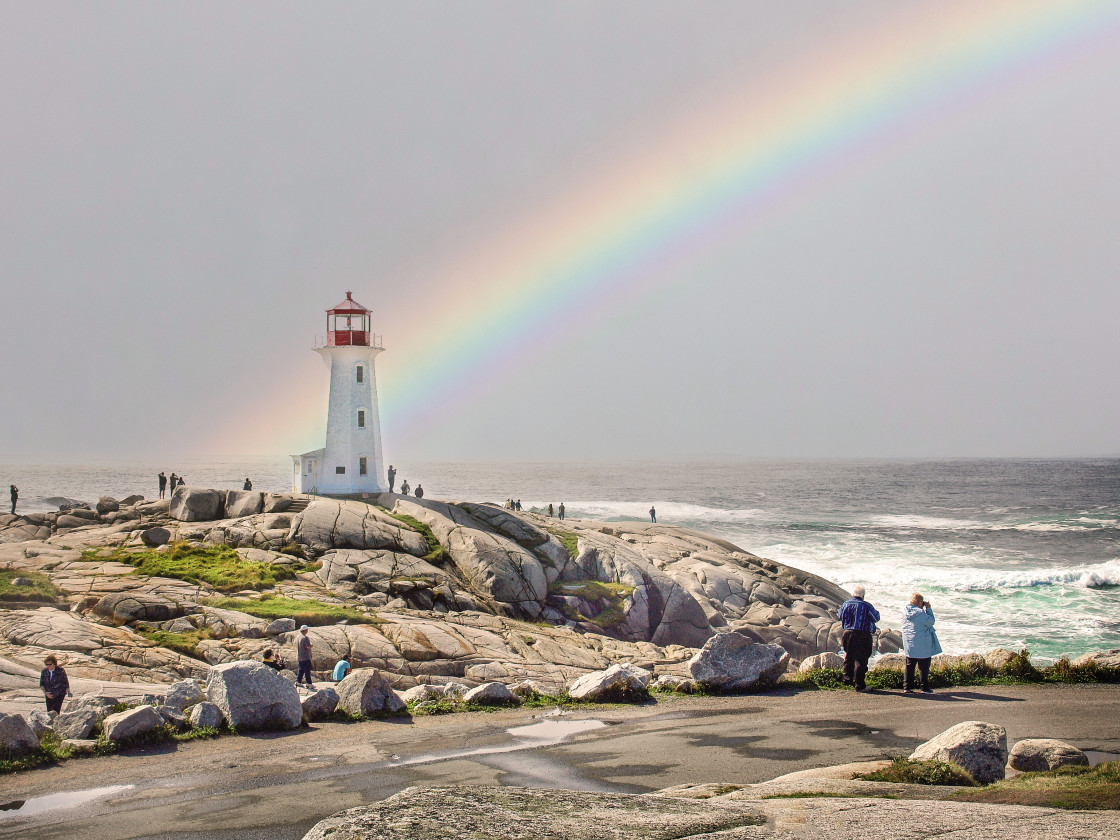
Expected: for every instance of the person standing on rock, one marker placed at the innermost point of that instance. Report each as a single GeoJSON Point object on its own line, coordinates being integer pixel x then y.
{"type": "Point", "coordinates": [404, 487]}
{"type": "Point", "coordinates": [55, 684]}
{"type": "Point", "coordinates": [919, 642]}
{"type": "Point", "coordinates": [517, 505]}
{"type": "Point", "coordinates": [858, 618]}
{"type": "Point", "coordinates": [419, 494]}
{"type": "Point", "coordinates": [162, 484]}
{"type": "Point", "coordinates": [303, 656]}
{"type": "Point", "coordinates": [15, 498]}
{"type": "Point", "coordinates": [392, 477]}
{"type": "Point", "coordinates": [174, 483]}
{"type": "Point", "coordinates": [550, 510]}
{"type": "Point", "coordinates": [561, 510]}
{"type": "Point", "coordinates": [248, 484]}
{"type": "Point", "coordinates": [653, 514]}
{"type": "Point", "coordinates": [340, 668]}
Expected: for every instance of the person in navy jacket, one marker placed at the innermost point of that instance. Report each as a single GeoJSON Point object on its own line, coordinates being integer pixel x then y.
{"type": "Point", "coordinates": [858, 618]}
{"type": "Point", "coordinates": [54, 682]}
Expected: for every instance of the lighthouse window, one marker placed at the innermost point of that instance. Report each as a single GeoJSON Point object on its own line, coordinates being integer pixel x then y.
{"type": "Point", "coordinates": [361, 418]}
{"type": "Point", "coordinates": [340, 470]}
{"type": "Point", "coordinates": [362, 465]}
{"type": "Point", "coordinates": [361, 373]}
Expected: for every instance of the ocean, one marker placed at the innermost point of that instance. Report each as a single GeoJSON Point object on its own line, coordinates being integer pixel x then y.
{"type": "Point", "coordinates": [1011, 553]}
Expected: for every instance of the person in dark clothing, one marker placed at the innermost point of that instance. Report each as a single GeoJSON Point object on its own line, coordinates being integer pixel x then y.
{"type": "Point", "coordinates": [858, 618]}
{"type": "Point", "coordinates": [15, 498]}
{"type": "Point", "coordinates": [162, 485]}
{"type": "Point", "coordinates": [560, 510]}
{"type": "Point", "coordinates": [392, 477]}
{"type": "Point", "coordinates": [517, 505]}
{"type": "Point", "coordinates": [174, 482]}
{"type": "Point", "coordinates": [248, 485]}
{"type": "Point", "coordinates": [55, 684]}
{"type": "Point", "coordinates": [404, 487]}
{"type": "Point", "coordinates": [550, 509]}
{"type": "Point", "coordinates": [419, 494]}
{"type": "Point", "coordinates": [653, 514]}
{"type": "Point", "coordinates": [303, 654]}
{"type": "Point", "coordinates": [273, 661]}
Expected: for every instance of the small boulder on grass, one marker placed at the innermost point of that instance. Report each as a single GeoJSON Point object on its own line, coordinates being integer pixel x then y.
{"type": "Point", "coordinates": [422, 693]}
{"type": "Point", "coordinates": [77, 724]}
{"type": "Point", "coordinates": [183, 694]}
{"type": "Point", "coordinates": [40, 722]}
{"type": "Point", "coordinates": [128, 724]}
{"type": "Point", "coordinates": [490, 694]}
{"type": "Point", "coordinates": [1041, 754]}
{"type": "Point", "coordinates": [365, 691]}
{"type": "Point", "coordinates": [253, 696]}
{"type": "Point", "coordinates": [206, 715]}
{"type": "Point", "coordinates": [16, 735]}
{"type": "Point", "coordinates": [978, 747]}
{"type": "Point", "coordinates": [618, 683]}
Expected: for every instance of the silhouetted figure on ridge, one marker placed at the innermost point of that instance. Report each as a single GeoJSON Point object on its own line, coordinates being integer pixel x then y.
{"type": "Point", "coordinates": [392, 477]}
{"type": "Point", "coordinates": [419, 494]}
{"type": "Point", "coordinates": [162, 485]}
{"type": "Point", "coordinates": [561, 510]}
{"type": "Point", "coordinates": [174, 483]}
{"type": "Point", "coordinates": [653, 514]}
{"type": "Point", "coordinates": [15, 498]}
{"type": "Point", "coordinates": [248, 485]}
{"type": "Point", "coordinates": [404, 487]}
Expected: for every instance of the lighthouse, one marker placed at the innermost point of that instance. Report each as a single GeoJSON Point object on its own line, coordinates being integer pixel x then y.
{"type": "Point", "coordinates": [350, 464]}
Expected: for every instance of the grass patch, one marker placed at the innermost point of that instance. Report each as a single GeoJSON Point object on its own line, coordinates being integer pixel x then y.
{"type": "Point", "coordinates": [436, 552]}
{"type": "Point", "coordinates": [311, 613]}
{"type": "Point", "coordinates": [595, 592]}
{"type": "Point", "coordinates": [293, 549]}
{"type": "Point", "coordinates": [41, 588]}
{"type": "Point", "coordinates": [218, 566]}
{"type": "Point", "coordinates": [569, 539]}
{"type": "Point", "coordinates": [904, 771]}
{"type": "Point", "coordinates": [184, 643]}
{"type": "Point", "coordinates": [1076, 788]}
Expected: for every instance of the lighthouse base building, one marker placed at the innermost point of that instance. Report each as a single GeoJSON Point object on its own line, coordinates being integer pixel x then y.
{"type": "Point", "coordinates": [351, 463]}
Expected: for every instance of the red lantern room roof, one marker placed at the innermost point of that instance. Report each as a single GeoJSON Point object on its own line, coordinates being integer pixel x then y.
{"type": "Point", "coordinates": [347, 307]}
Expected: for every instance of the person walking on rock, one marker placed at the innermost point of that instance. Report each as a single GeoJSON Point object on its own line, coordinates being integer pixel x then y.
{"type": "Point", "coordinates": [303, 656]}
{"type": "Point", "coordinates": [858, 618]}
{"type": "Point", "coordinates": [653, 514]}
{"type": "Point", "coordinates": [248, 485]}
{"type": "Point", "coordinates": [392, 477]}
{"type": "Point", "coordinates": [340, 668]}
{"type": "Point", "coordinates": [561, 510]}
{"type": "Point", "coordinates": [919, 642]}
{"type": "Point", "coordinates": [419, 494]}
{"type": "Point", "coordinates": [55, 684]}
{"type": "Point", "coordinates": [162, 485]}
{"type": "Point", "coordinates": [15, 498]}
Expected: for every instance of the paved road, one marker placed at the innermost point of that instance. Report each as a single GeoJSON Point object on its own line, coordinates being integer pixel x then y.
{"type": "Point", "coordinates": [278, 785]}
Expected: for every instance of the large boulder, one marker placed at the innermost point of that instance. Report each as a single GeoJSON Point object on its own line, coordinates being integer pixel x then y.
{"type": "Point", "coordinates": [16, 735]}
{"type": "Point", "coordinates": [125, 607]}
{"type": "Point", "coordinates": [490, 694]}
{"type": "Point", "coordinates": [821, 661]}
{"type": "Point", "coordinates": [732, 662]}
{"type": "Point", "coordinates": [183, 694]}
{"type": "Point", "coordinates": [107, 504]}
{"type": "Point", "coordinates": [206, 715]}
{"type": "Point", "coordinates": [1039, 754]}
{"type": "Point", "coordinates": [623, 682]}
{"type": "Point", "coordinates": [364, 691]}
{"type": "Point", "coordinates": [76, 724]}
{"type": "Point", "coordinates": [241, 503]}
{"type": "Point", "coordinates": [320, 704]}
{"type": "Point", "coordinates": [128, 724]}
{"type": "Point", "coordinates": [195, 504]}
{"type": "Point", "coordinates": [978, 747]}
{"type": "Point", "coordinates": [280, 626]}
{"type": "Point", "coordinates": [253, 696]}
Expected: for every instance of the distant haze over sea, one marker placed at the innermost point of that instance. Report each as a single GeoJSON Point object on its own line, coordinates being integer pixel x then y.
{"type": "Point", "coordinates": [1013, 553]}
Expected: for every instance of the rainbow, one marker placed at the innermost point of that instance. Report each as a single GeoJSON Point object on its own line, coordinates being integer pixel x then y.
{"type": "Point", "coordinates": [625, 232]}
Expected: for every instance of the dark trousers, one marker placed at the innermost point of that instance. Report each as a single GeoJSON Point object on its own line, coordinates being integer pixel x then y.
{"type": "Point", "coordinates": [304, 673]}
{"type": "Point", "coordinates": [923, 673]}
{"type": "Point", "coordinates": [54, 704]}
{"type": "Point", "coordinates": [857, 650]}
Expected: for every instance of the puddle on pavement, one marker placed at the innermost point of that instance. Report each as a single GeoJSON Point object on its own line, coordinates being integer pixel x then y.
{"type": "Point", "coordinates": [69, 799]}
{"type": "Point", "coordinates": [545, 733]}
{"type": "Point", "coordinates": [1096, 757]}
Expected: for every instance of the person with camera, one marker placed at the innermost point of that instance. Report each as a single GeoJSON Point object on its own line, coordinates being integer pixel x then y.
{"type": "Point", "coordinates": [919, 642]}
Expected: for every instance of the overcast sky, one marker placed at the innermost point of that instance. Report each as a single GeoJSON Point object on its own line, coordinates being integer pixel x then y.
{"type": "Point", "coordinates": [185, 187]}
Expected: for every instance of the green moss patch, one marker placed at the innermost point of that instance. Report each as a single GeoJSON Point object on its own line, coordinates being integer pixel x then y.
{"type": "Point", "coordinates": [570, 540]}
{"type": "Point", "coordinates": [436, 552]}
{"type": "Point", "coordinates": [41, 589]}
{"type": "Point", "coordinates": [1075, 788]}
{"type": "Point", "coordinates": [905, 771]}
{"type": "Point", "coordinates": [218, 566]}
{"type": "Point", "coordinates": [311, 613]}
{"type": "Point", "coordinates": [184, 643]}
{"type": "Point", "coordinates": [595, 592]}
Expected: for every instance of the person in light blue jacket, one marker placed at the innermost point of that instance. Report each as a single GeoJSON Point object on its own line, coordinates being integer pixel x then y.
{"type": "Point", "coordinates": [919, 642]}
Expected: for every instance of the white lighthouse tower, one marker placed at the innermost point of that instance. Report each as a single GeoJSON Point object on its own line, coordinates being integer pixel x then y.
{"type": "Point", "coordinates": [350, 464]}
